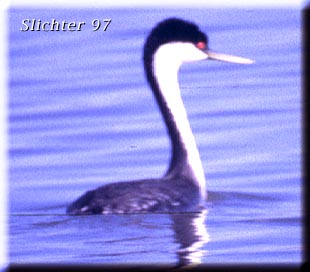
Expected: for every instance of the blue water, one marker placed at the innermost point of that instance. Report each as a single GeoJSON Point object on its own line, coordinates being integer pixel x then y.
{"type": "Point", "coordinates": [81, 115]}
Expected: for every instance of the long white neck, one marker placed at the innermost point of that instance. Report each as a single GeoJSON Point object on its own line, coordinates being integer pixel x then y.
{"type": "Point", "coordinates": [166, 65]}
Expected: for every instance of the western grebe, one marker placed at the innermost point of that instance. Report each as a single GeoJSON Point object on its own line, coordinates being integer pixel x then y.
{"type": "Point", "coordinates": [183, 187]}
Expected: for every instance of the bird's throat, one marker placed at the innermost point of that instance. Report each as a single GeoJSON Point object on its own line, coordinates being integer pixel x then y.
{"type": "Point", "coordinates": [184, 146]}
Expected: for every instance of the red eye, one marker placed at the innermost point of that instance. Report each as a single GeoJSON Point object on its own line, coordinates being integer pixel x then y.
{"type": "Point", "coordinates": [201, 45]}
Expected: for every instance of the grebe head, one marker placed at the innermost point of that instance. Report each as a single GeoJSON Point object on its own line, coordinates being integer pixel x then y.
{"type": "Point", "coordinates": [179, 40]}
{"type": "Point", "coordinates": [182, 41]}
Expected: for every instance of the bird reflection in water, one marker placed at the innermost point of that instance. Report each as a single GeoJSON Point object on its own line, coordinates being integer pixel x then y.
{"type": "Point", "coordinates": [191, 234]}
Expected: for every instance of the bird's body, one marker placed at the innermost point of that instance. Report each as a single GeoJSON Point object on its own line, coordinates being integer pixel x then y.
{"type": "Point", "coordinates": [183, 187]}
{"type": "Point", "coordinates": [152, 195]}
